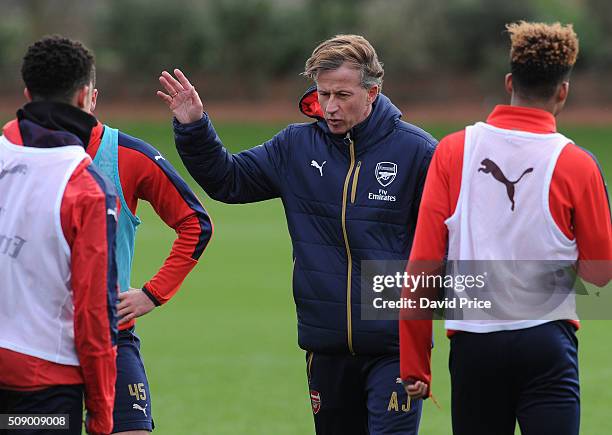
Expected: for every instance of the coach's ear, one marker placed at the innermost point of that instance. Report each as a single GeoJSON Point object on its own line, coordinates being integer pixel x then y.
{"type": "Point", "coordinates": [27, 95]}
{"type": "Point", "coordinates": [372, 94]}
{"type": "Point", "coordinates": [508, 83]}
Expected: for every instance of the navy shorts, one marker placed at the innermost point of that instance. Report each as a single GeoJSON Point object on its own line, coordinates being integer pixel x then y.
{"type": "Point", "coordinates": [360, 395]}
{"type": "Point", "coordinates": [528, 375]}
{"type": "Point", "coordinates": [132, 409]}
{"type": "Point", "coordinates": [63, 399]}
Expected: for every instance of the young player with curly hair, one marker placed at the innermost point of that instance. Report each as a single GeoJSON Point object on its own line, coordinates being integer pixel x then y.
{"type": "Point", "coordinates": [513, 188]}
{"type": "Point", "coordinates": [139, 172]}
{"type": "Point", "coordinates": [58, 274]}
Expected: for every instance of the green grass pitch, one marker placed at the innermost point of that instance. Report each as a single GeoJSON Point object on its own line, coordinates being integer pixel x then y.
{"type": "Point", "coordinates": [222, 356]}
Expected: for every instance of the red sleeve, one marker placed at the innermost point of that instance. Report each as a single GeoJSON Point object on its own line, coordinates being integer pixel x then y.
{"type": "Point", "coordinates": [439, 200]}
{"type": "Point", "coordinates": [90, 232]}
{"type": "Point", "coordinates": [438, 203]}
{"type": "Point", "coordinates": [578, 203]}
{"type": "Point", "coordinates": [580, 207]}
{"type": "Point", "coordinates": [143, 176]}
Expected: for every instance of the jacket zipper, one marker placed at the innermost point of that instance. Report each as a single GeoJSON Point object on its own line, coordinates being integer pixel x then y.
{"type": "Point", "coordinates": [347, 180]}
{"type": "Point", "coordinates": [309, 365]}
{"type": "Point", "coordinates": [355, 179]}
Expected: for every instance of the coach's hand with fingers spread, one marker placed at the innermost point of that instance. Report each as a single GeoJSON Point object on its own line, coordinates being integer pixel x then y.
{"type": "Point", "coordinates": [133, 303]}
{"type": "Point", "coordinates": [181, 97]}
{"type": "Point", "coordinates": [417, 390]}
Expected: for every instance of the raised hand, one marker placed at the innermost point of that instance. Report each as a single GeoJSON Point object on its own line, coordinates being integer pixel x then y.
{"type": "Point", "coordinates": [181, 97]}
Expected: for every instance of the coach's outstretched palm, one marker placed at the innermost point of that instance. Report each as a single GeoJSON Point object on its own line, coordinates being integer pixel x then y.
{"type": "Point", "coordinates": [182, 98]}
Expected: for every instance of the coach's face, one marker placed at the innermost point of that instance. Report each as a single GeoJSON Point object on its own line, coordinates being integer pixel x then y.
{"type": "Point", "coordinates": [345, 102]}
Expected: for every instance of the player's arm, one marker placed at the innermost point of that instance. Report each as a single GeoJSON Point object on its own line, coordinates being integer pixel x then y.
{"type": "Point", "coordinates": [158, 183]}
{"type": "Point", "coordinates": [591, 219]}
{"type": "Point", "coordinates": [429, 247]}
{"type": "Point", "coordinates": [90, 232]}
{"type": "Point", "coordinates": [422, 168]}
{"type": "Point", "coordinates": [250, 176]}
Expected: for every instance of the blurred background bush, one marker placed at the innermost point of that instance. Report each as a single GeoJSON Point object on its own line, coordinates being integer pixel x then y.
{"type": "Point", "coordinates": [434, 51]}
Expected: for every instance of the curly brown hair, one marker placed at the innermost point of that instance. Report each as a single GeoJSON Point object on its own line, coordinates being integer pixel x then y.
{"type": "Point", "coordinates": [541, 56]}
{"type": "Point", "coordinates": [54, 67]}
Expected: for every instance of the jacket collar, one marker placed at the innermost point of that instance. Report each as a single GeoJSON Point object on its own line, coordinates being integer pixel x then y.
{"type": "Point", "coordinates": [95, 139]}
{"type": "Point", "coordinates": [46, 124]}
{"type": "Point", "coordinates": [381, 121]}
{"type": "Point", "coordinates": [523, 119]}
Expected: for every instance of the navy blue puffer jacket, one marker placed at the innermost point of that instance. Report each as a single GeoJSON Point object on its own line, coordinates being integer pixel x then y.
{"type": "Point", "coordinates": [347, 198]}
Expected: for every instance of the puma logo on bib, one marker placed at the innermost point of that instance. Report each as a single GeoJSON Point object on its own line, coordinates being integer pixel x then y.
{"type": "Point", "coordinates": [490, 167]}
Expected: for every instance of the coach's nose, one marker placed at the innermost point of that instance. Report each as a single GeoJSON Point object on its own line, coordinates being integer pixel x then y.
{"type": "Point", "coordinates": [332, 105]}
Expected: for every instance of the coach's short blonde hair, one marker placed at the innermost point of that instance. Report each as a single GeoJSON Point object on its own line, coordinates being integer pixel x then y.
{"type": "Point", "coordinates": [354, 50]}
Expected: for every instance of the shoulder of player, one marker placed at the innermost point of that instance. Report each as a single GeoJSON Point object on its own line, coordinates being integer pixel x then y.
{"type": "Point", "coordinates": [453, 142]}
{"type": "Point", "coordinates": [141, 157]}
{"type": "Point", "coordinates": [577, 161]}
{"type": "Point", "coordinates": [577, 170]}
{"type": "Point", "coordinates": [138, 148]}
{"type": "Point", "coordinates": [88, 182]}
{"type": "Point", "coordinates": [450, 148]}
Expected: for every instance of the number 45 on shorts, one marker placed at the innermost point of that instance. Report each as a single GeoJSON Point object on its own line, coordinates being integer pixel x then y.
{"type": "Point", "coordinates": [138, 391]}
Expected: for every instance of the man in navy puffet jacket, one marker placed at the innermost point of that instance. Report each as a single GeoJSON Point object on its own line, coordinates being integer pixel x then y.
{"type": "Point", "coordinates": [351, 183]}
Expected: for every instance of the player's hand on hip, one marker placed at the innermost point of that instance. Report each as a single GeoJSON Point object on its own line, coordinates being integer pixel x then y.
{"type": "Point", "coordinates": [417, 390]}
{"type": "Point", "coordinates": [133, 303]}
{"type": "Point", "coordinates": [181, 97]}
